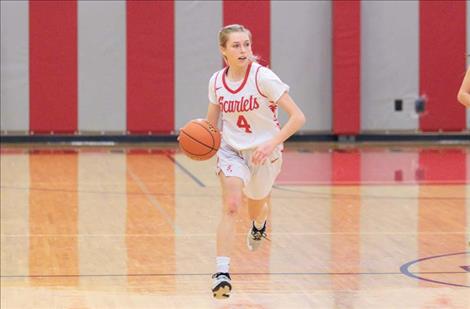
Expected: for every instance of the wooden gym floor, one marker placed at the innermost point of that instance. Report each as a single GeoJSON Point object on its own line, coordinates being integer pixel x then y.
{"type": "Point", "coordinates": [375, 226]}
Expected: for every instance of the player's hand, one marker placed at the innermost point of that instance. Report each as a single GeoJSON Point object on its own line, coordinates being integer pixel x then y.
{"type": "Point", "coordinates": [179, 136]}
{"type": "Point", "coordinates": [262, 153]}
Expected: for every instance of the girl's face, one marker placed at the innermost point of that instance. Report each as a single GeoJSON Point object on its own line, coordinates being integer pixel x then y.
{"type": "Point", "coordinates": [237, 50]}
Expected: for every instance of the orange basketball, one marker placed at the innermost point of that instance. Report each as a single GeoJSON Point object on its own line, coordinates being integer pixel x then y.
{"type": "Point", "coordinates": [199, 140]}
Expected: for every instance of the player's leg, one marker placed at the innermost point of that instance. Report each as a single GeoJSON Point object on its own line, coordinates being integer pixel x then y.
{"type": "Point", "coordinates": [258, 191]}
{"type": "Point", "coordinates": [232, 201]}
{"type": "Point", "coordinates": [258, 211]}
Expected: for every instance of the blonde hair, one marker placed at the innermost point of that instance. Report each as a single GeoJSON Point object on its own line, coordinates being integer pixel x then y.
{"type": "Point", "coordinates": [227, 30]}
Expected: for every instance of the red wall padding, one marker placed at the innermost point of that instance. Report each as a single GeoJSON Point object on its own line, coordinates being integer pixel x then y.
{"type": "Point", "coordinates": [442, 63]}
{"type": "Point", "coordinates": [150, 66]}
{"type": "Point", "coordinates": [53, 66]}
{"type": "Point", "coordinates": [346, 67]}
{"type": "Point", "coordinates": [256, 16]}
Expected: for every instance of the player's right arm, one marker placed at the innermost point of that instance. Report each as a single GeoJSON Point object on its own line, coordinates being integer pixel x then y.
{"type": "Point", "coordinates": [464, 93]}
{"type": "Point", "coordinates": [213, 112]}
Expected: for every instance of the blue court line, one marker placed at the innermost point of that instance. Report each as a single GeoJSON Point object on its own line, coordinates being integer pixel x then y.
{"type": "Point", "coordinates": [320, 195]}
{"type": "Point", "coordinates": [90, 191]}
{"type": "Point", "coordinates": [200, 183]}
{"type": "Point", "coordinates": [404, 269]}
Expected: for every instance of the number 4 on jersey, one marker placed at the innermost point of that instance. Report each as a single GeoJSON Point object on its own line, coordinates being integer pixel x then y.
{"type": "Point", "coordinates": [242, 123]}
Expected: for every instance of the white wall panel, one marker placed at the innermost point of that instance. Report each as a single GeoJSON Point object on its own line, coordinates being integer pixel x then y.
{"type": "Point", "coordinates": [389, 64]}
{"type": "Point", "coordinates": [301, 56]}
{"type": "Point", "coordinates": [102, 65]}
{"type": "Point", "coordinates": [196, 56]}
{"type": "Point", "coordinates": [14, 98]}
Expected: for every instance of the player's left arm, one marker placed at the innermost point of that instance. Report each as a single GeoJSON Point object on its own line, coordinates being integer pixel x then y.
{"type": "Point", "coordinates": [296, 118]}
{"type": "Point", "coordinates": [464, 93]}
{"type": "Point", "coordinates": [295, 122]}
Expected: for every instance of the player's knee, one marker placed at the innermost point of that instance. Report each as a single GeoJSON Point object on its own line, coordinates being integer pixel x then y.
{"type": "Point", "coordinates": [233, 205]}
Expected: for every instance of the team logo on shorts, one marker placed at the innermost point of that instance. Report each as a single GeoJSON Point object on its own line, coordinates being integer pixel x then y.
{"type": "Point", "coordinates": [229, 168]}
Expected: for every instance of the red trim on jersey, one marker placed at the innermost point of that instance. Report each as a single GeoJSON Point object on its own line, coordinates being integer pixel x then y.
{"type": "Point", "coordinates": [215, 86]}
{"type": "Point", "coordinates": [256, 82]}
{"type": "Point", "coordinates": [273, 108]}
{"type": "Point", "coordinates": [243, 83]}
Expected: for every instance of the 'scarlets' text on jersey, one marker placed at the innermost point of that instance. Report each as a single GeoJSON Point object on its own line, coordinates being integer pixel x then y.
{"type": "Point", "coordinates": [249, 116]}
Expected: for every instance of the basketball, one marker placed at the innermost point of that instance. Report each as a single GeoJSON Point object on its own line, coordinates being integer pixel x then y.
{"type": "Point", "coordinates": [199, 140]}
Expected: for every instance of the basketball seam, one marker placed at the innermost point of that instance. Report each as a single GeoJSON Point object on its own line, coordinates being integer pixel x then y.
{"type": "Point", "coordinates": [193, 155]}
{"type": "Point", "coordinates": [211, 148]}
{"type": "Point", "coordinates": [210, 133]}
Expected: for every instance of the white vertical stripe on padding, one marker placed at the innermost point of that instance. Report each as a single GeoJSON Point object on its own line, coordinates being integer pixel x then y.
{"type": "Point", "coordinates": [301, 56]}
{"type": "Point", "coordinates": [389, 64]}
{"type": "Point", "coordinates": [102, 65]}
{"type": "Point", "coordinates": [196, 56]}
{"type": "Point", "coordinates": [14, 100]}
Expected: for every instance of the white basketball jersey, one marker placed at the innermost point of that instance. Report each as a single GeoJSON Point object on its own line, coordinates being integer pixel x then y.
{"type": "Point", "coordinates": [249, 111]}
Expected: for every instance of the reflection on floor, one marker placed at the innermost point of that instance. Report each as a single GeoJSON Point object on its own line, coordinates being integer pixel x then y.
{"type": "Point", "coordinates": [350, 227]}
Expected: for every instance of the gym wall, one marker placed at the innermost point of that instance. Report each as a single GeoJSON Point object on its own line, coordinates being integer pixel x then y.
{"type": "Point", "coordinates": [143, 66]}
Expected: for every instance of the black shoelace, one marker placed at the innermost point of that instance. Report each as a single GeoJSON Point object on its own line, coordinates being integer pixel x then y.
{"type": "Point", "coordinates": [258, 234]}
{"type": "Point", "coordinates": [217, 275]}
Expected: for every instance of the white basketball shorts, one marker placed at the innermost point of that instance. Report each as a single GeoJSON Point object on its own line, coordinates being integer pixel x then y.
{"type": "Point", "coordinates": [258, 179]}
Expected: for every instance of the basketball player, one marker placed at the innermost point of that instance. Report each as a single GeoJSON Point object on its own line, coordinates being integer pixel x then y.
{"type": "Point", "coordinates": [464, 92]}
{"type": "Point", "coordinates": [246, 96]}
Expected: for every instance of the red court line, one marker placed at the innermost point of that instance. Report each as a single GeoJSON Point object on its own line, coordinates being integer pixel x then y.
{"type": "Point", "coordinates": [150, 66]}
{"type": "Point", "coordinates": [442, 63]}
{"type": "Point", "coordinates": [53, 66]}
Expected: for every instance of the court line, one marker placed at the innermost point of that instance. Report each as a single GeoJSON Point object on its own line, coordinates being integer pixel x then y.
{"type": "Point", "coordinates": [232, 274]}
{"type": "Point", "coordinates": [307, 194]}
{"type": "Point", "coordinates": [365, 196]}
{"type": "Point", "coordinates": [153, 201]}
{"type": "Point", "coordinates": [405, 269]}
{"type": "Point", "coordinates": [186, 171]}
{"type": "Point", "coordinates": [91, 191]}
{"type": "Point", "coordinates": [237, 234]}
